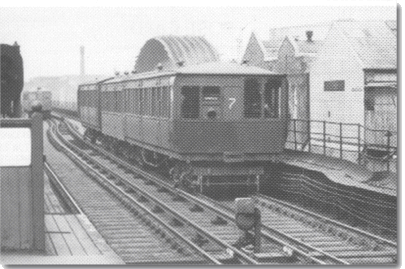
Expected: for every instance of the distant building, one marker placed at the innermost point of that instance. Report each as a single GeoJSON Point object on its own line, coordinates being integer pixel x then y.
{"type": "Point", "coordinates": [354, 78]}
{"type": "Point", "coordinates": [295, 58]}
{"type": "Point", "coordinates": [261, 53]}
{"type": "Point", "coordinates": [344, 71]}
{"type": "Point", "coordinates": [63, 88]}
{"type": "Point", "coordinates": [291, 51]}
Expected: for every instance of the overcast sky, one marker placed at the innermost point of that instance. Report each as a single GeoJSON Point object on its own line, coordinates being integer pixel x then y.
{"type": "Point", "coordinates": [50, 38]}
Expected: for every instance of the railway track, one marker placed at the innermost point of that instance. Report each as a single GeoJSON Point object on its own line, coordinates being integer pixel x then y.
{"type": "Point", "coordinates": [325, 235]}
{"type": "Point", "coordinates": [311, 235]}
{"type": "Point", "coordinates": [131, 230]}
{"type": "Point", "coordinates": [273, 240]}
{"type": "Point", "coordinates": [195, 224]}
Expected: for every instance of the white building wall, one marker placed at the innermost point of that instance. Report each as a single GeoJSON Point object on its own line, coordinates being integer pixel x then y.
{"type": "Point", "coordinates": [337, 61]}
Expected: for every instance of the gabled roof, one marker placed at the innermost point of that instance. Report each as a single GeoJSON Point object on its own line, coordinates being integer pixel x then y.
{"type": "Point", "coordinates": [270, 48]}
{"type": "Point", "coordinates": [373, 41]}
{"type": "Point", "coordinates": [169, 50]}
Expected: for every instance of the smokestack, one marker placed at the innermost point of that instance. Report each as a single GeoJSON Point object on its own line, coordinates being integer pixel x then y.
{"type": "Point", "coordinates": [309, 35]}
{"type": "Point", "coordinates": [82, 73]}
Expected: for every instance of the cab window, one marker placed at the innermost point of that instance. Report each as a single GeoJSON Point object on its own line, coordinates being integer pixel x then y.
{"type": "Point", "coordinates": [271, 98]}
{"type": "Point", "coordinates": [252, 99]}
{"type": "Point", "coordinates": [190, 106]}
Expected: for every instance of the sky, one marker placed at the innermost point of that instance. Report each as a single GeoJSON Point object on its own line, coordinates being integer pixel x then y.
{"type": "Point", "coordinates": [50, 37]}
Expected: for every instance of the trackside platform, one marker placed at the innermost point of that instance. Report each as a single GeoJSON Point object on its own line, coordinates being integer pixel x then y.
{"type": "Point", "coordinates": [341, 171]}
{"type": "Point", "coordinates": [70, 239]}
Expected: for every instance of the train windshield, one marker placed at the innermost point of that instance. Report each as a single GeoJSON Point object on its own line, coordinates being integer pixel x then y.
{"type": "Point", "coordinates": [190, 107]}
{"type": "Point", "coordinates": [271, 98]}
{"type": "Point", "coordinates": [252, 99]}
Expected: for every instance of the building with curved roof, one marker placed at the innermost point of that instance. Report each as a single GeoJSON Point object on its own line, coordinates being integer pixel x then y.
{"type": "Point", "coordinates": [170, 50]}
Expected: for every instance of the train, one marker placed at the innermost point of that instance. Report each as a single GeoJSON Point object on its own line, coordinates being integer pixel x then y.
{"type": "Point", "coordinates": [207, 124]}
{"type": "Point", "coordinates": [38, 97]}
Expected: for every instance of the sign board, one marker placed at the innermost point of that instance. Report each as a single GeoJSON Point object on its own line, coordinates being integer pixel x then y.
{"type": "Point", "coordinates": [15, 147]}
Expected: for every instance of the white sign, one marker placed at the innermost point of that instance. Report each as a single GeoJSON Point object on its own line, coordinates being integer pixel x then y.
{"type": "Point", "coordinates": [15, 147]}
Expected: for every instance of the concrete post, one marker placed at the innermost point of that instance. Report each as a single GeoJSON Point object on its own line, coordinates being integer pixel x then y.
{"type": "Point", "coordinates": [37, 173]}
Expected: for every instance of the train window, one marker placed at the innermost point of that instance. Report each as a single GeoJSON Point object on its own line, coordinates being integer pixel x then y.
{"type": "Point", "coordinates": [252, 99]}
{"type": "Point", "coordinates": [159, 102]}
{"type": "Point", "coordinates": [271, 98]}
{"type": "Point", "coordinates": [154, 102]}
{"type": "Point", "coordinates": [148, 99]}
{"type": "Point", "coordinates": [134, 101]}
{"type": "Point", "coordinates": [211, 93]}
{"type": "Point", "coordinates": [118, 101]}
{"type": "Point", "coordinates": [190, 108]}
{"type": "Point", "coordinates": [141, 95]}
{"type": "Point", "coordinates": [165, 110]}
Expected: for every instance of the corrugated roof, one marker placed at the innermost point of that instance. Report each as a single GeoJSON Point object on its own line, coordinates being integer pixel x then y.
{"type": "Point", "coordinates": [374, 43]}
{"type": "Point", "coordinates": [169, 50]}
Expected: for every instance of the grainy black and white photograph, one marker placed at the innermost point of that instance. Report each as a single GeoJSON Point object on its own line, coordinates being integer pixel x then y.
{"type": "Point", "coordinates": [178, 135]}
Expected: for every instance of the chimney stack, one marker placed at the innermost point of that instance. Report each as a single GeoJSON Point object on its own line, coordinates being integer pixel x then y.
{"type": "Point", "coordinates": [309, 35]}
{"type": "Point", "coordinates": [82, 72]}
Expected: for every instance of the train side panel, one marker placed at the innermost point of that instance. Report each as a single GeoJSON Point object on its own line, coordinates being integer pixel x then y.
{"type": "Point", "coordinates": [112, 116]}
{"type": "Point", "coordinates": [113, 124]}
{"type": "Point", "coordinates": [88, 106]}
{"type": "Point", "coordinates": [151, 131]}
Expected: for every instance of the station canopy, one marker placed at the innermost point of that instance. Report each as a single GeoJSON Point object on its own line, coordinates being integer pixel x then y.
{"type": "Point", "coordinates": [170, 50]}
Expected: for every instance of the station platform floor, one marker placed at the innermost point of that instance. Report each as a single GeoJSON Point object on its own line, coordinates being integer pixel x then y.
{"type": "Point", "coordinates": [70, 239]}
{"type": "Point", "coordinates": [340, 171]}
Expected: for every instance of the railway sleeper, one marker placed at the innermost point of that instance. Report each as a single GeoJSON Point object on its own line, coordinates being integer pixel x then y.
{"type": "Point", "coordinates": [196, 208]}
{"type": "Point", "coordinates": [157, 209]}
{"type": "Point", "coordinates": [176, 223]}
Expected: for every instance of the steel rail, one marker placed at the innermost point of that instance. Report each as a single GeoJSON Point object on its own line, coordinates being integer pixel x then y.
{"type": "Point", "coordinates": [214, 207]}
{"type": "Point", "coordinates": [298, 245]}
{"type": "Point", "coordinates": [240, 255]}
{"type": "Point", "coordinates": [327, 220]}
{"type": "Point", "coordinates": [59, 185]}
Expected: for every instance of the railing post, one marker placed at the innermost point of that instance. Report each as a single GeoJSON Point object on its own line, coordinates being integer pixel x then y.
{"type": "Point", "coordinates": [359, 142]}
{"type": "Point", "coordinates": [388, 149]}
{"type": "Point", "coordinates": [324, 137]}
{"type": "Point", "coordinates": [295, 134]}
{"type": "Point", "coordinates": [341, 141]}
{"type": "Point", "coordinates": [309, 136]}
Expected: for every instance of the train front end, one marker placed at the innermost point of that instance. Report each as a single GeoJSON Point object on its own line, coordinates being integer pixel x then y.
{"type": "Point", "coordinates": [229, 121]}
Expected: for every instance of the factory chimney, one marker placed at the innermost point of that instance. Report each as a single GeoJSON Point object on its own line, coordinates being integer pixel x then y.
{"type": "Point", "coordinates": [82, 72]}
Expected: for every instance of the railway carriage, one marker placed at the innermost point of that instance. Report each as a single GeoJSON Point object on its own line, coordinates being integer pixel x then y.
{"type": "Point", "coordinates": [31, 98]}
{"type": "Point", "coordinates": [212, 123]}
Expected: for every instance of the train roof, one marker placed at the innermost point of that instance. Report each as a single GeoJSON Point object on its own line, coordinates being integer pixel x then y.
{"type": "Point", "coordinates": [96, 81]}
{"type": "Point", "coordinates": [211, 68]}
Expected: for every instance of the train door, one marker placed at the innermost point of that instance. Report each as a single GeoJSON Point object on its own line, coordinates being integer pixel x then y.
{"type": "Point", "coordinates": [233, 103]}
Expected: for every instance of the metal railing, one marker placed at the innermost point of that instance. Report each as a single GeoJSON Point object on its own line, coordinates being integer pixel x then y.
{"type": "Point", "coordinates": [376, 149]}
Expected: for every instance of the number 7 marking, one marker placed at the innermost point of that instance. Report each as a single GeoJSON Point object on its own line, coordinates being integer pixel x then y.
{"type": "Point", "coordinates": [233, 100]}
